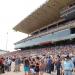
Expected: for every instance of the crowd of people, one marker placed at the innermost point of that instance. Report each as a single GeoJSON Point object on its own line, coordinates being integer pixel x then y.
{"type": "Point", "coordinates": [38, 65]}
{"type": "Point", "coordinates": [48, 64]}
{"type": "Point", "coordinates": [62, 50]}
{"type": "Point", "coordinates": [40, 61]}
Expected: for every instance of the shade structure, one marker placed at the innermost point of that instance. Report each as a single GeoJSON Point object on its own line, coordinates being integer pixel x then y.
{"type": "Point", "coordinates": [46, 14]}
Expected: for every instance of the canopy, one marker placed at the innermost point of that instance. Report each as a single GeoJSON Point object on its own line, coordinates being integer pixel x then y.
{"type": "Point", "coordinates": [46, 14]}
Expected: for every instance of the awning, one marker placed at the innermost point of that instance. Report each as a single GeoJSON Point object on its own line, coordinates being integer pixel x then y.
{"type": "Point", "coordinates": [43, 16]}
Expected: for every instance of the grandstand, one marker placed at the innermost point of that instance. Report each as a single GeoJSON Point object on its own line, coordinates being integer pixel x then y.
{"type": "Point", "coordinates": [51, 28]}
{"type": "Point", "coordinates": [3, 52]}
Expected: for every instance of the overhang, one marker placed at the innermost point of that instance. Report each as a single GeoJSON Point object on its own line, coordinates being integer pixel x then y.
{"type": "Point", "coordinates": [46, 14]}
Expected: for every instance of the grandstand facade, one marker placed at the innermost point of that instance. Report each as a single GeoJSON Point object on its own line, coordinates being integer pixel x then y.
{"type": "Point", "coordinates": [51, 25]}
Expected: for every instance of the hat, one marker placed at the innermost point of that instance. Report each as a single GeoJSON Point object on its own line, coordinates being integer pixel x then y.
{"type": "Point", "coordinates": [67, 57]}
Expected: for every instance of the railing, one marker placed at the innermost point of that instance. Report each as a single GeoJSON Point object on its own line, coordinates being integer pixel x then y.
{"type": "Point", "coordinates": [67, 10]}
{"type": "Point", "coordinates": [67, 25]}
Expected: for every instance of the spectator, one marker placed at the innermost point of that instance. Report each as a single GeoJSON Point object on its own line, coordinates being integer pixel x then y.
{"type": "Point", "coordinates": [26, 67]}
{"type": "Point", "coordinates": [17, 64]}
{"type": "Point", "coordinates": [58, 66]}
{"type": "Point", "coordinates": [68, 66]}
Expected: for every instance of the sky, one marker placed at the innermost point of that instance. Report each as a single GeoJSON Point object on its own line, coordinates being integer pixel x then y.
{"type": "Point", "coordinates": [11, 13]}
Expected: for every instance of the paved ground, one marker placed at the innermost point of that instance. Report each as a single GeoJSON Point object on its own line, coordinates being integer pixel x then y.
{"type": "Point", "coordinates": [22, 73]}
{"type": "Point", "coordinates": [19, 73]}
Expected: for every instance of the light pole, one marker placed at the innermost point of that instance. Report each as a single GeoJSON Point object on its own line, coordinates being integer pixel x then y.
{"type": "Point", "coordinates": [6, 40]}
{"type": "Point", "coordinates": [1, 40]}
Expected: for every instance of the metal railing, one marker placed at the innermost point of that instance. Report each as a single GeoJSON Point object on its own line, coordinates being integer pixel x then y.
{"type": "Point", "coordinates": [67, 10]}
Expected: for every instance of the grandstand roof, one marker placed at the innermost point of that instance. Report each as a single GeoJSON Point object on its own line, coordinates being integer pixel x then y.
{"type": "Point", "coordinates": [46, 14]}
